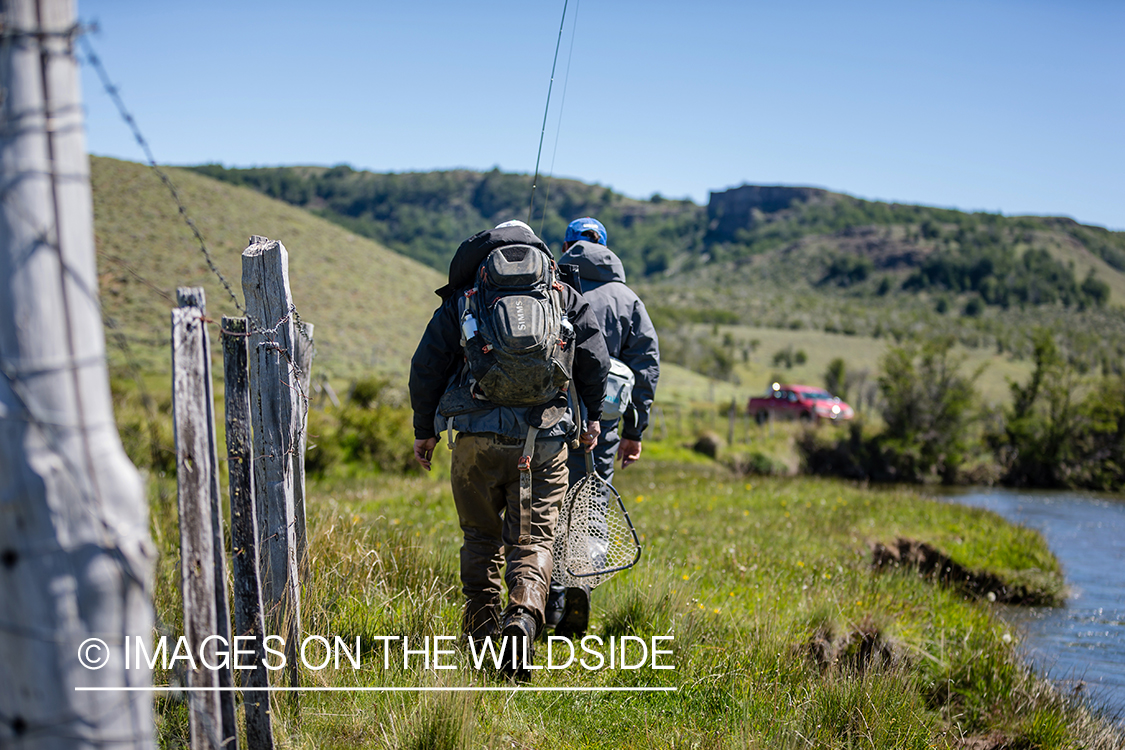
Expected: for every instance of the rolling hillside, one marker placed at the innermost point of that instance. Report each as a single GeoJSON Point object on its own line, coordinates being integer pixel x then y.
{"type": "Point", "coordinates": [789, 258]}
{"type": "Point", "coordinates": [838, 240]}
{"type": "Point", "coordinates": [369, 305]}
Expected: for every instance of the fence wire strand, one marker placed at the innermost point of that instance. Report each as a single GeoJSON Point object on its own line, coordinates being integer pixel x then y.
{"type": "Point", "coordinates": [255, 326]}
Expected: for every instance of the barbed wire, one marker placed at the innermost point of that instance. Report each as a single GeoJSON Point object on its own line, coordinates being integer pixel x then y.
{"type": "Point", "coordinates": [254, 326]}
{"type": "Point", "coordinates": [114, 94]}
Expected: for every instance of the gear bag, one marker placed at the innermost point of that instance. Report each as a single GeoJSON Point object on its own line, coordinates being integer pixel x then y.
{"type": "Point", "coordinates": [518, 341]}
{"type": "Point", "coordinates": [618, 390]}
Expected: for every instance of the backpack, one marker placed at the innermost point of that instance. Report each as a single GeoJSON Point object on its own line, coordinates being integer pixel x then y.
{"type": "Point", "coordinates": [518, 341]}
{"type": "Point", "coordinates": [618, 390]}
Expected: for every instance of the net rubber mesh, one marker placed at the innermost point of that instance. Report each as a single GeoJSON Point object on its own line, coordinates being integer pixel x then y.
{"type": "Point", "coordinates": [594, 538]}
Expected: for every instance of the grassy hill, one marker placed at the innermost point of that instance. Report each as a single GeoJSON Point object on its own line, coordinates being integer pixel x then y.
{"type": "Point", "coordinates": [840, 240]}
{"type": "Point", "coordinates": [771, 257]}
{"type": "Point", "coordinates": [369, 305]}
{"type": "Point", "coordinates": [726, 318]}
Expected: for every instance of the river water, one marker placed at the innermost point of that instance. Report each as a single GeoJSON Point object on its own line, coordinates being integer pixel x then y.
{"type": "Point", "coordinates": [1082, 644]}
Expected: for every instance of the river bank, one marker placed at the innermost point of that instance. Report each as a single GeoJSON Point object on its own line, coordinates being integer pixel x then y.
{"type": "Point", "coordinates": [1081, 644]}
{"type": "Point", "coordinates": [783, 636]}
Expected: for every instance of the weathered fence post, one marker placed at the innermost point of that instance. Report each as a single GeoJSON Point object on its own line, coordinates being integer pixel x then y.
{"type": "Point", "coordinates": [194, 483]}
{"type": "Point", "coordinates": [274, 414]}
{"type": "Point", "coordinates": [303, 360]}
{"type": "Point", "coordinates": [75, 552]}
{"type": "Point", "coordinates": [195, 297]}
{"type": "Point", "coordinates": [248, 619]}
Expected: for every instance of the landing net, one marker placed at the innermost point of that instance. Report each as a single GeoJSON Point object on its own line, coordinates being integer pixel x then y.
{"type": "Point", "coordinates": [594, 538]}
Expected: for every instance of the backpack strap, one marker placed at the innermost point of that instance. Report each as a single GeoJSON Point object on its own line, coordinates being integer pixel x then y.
{"type": "Point", "coordinates": [525, 485]}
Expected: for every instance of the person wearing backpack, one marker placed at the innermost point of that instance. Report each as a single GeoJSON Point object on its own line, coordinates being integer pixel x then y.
{"type": "Point", "coordinates": [634, 371]}
{"type": "Point", "coordinates": [502, 362]}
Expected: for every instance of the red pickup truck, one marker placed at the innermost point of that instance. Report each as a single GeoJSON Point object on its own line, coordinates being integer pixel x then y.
{"type": "Point", "coordinates": [804, 402]}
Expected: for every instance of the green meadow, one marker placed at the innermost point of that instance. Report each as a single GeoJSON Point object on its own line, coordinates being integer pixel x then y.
{"type": "Point", "coordinates": [782, 633]}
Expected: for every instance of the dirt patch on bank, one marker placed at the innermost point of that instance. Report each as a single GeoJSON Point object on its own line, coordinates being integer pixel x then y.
{"type": "Point", "coordinates": [856, 650]}
{"type": "Point", "coordinates": [937, 566]}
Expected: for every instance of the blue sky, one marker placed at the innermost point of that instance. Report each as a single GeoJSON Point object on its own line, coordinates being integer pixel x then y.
{"type": "Point", "coordinates": [1012, 106]}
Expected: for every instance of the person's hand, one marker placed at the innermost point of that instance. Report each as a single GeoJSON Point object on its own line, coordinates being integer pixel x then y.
{"type": "Point", "coordinates": [424, 451]}
{"type": "Point", "coordinates": [628, 451]}
{"type": "Point", "coordinates": [589, 438]}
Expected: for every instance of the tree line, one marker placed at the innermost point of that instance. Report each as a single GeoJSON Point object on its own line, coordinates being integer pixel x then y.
{"type": "Point", "coordinates": [1064, 428]}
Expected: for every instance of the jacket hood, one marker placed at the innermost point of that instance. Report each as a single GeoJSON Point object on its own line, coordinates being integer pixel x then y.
{"type": "Point", "coordinates": [595, 262]}
{"type": "Point", "coordinates": [473, 251]}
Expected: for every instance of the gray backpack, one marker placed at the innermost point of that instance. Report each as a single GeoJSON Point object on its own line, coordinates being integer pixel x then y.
{"type": "Point", "coordinates": [518, 341]}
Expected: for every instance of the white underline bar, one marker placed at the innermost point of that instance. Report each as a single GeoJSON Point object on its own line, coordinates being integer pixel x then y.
{"type": "Point", "coordinates": [483, 689]}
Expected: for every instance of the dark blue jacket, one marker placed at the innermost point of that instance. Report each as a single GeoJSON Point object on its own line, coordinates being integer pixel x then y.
{"type": "Point", "coordinates": [629, 333]}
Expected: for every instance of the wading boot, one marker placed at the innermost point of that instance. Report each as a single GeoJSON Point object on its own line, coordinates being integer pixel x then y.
{"type": "Point", "coordinates": [556, 600]}
{"type": "Point", "coordinates": [518, 639]}
{"type": "Point", "coordinates": [575, 614]}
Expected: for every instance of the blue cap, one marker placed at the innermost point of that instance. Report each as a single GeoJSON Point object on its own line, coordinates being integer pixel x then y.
{"type": "Point", "coordinates": [578, 226]}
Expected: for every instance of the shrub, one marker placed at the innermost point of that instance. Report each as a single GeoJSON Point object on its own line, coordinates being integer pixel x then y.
{"type": "Point", "coordinates": [372, 429]}
{"type": "Point", "coordinates": [928, 406]}
{"type": "Point", "coordinates": [835, 378]}
{"type": "Point", "coordinates": [1052, 437]}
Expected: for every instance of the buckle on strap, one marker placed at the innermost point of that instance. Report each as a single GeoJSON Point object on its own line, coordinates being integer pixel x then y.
{"type": "Point", "coordinates": [524, 463]}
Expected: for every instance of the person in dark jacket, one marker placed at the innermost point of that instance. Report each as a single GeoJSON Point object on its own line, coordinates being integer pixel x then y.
{"type": "Point", "coordinates": [631, 338]}
{"type": "Point", "coordinates": [489, 444]}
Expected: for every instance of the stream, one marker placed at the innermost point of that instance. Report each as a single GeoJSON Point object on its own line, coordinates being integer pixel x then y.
{"type": "Point", "coordinates": [1081, 646]}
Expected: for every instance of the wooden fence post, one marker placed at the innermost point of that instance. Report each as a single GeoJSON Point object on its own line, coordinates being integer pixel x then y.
{"type": "Point", "coordinates": [303, 359]}
{"type": "Point", "coordinates": [248, 620]}
{"type": "Point", "coordinates": [274, 414]}
{"type": "Point", "coordinates": [76, 556]}
{"type": "Point", "coordinates": [195, 297]}
{"type": "Point", "coordinates": [194, 483]}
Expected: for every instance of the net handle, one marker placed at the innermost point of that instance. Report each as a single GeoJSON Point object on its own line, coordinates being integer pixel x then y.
{"type": "Point", "coordinates": [589, 451]}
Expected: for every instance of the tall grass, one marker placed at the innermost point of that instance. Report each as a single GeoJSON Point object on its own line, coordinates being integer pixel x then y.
{"type": "Point", "coordinates": [745, 575]}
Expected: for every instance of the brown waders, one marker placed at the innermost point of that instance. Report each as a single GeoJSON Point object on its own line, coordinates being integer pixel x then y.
{"type": "Point", "coordinates": [486, 489]}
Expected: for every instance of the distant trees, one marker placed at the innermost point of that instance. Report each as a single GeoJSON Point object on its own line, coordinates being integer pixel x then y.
{"type": "Point", "coordinates": [426, 215]}
{"type": "Point", "coordinates": [928, 405]}
{"type": "Point", "coordinates": [986, 262]}
{"type": "Point", "coordinates": [846, 270]}
{"type": "Point", "coordinates": [1063, 430]}
{"type": "Point", "coordinates": [835, 378]}
{"type": "Point", "coordinates": [787, 357]}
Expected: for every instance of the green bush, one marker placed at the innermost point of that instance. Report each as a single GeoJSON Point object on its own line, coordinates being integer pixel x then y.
{"type": "Point", "coordinates": [928, 407]}
{"type": "Point", "coordinates": [836, 378]}
{"type": "Point", "coordinates": [1053, 435]}
{"type": "Point", "coordinates": [371, 431]}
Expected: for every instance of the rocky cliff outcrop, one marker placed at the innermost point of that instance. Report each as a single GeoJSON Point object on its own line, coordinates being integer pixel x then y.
{"type": "Point", "coordinates": [737, 208]}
